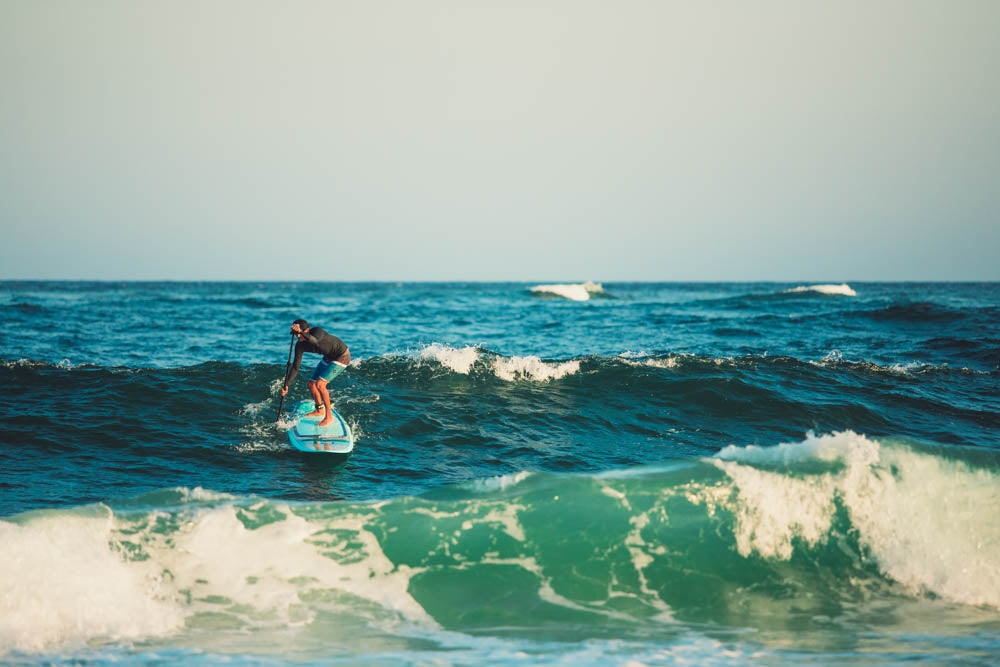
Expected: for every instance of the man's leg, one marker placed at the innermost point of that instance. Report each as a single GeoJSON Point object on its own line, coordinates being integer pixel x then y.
{"type": "Point", "coordinates": [317, 398]}
{"type": "Point", "coordinates": [325, 395]}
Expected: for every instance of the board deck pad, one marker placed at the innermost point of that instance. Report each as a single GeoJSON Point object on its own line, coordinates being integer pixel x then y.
{"type": "Point", "coordinates": [307, 436]}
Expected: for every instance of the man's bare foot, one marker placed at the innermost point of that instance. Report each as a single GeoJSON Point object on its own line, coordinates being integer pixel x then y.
{"type": "Point", "coordinates": [326, 422]}
{"type": "Point", "coordinates": [315, 413]}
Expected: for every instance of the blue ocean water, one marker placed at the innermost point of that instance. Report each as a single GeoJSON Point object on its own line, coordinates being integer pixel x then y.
{"type": "Point", "coordinates": [617, 473]}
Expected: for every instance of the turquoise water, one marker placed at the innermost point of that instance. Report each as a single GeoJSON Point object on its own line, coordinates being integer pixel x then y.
{"type": "Point", "coordinates": [655, 473]}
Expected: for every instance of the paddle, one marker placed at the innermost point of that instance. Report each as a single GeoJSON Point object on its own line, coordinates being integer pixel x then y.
{"type": "Point", "coordinates": [287, 365]}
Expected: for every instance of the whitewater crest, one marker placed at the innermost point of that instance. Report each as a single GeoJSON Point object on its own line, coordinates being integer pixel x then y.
{"type": "Point", "coordinates": [842, 289]}
{"type": "Point", "coordinates": [571, 291]}
{"type": "Point", "coordinates": [64, 581]}
{"type": "Point", "coordinates": [72, 577]}
{"type": "Point", "coordinates": [920, 516]}
{"type": "Point", "coordinates": [510, 369]}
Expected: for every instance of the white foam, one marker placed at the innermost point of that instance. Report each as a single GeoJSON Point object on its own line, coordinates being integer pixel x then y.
{"type": "Point", "coordinates": [674, 360]}
{"type": "Point", "coordinates": [838, 446]}
{"type": "Point", "coordinates": [200, 495]}
{"type": "Point", "coordinates": [510, 369]}
{"type": "Point", "coordinates": [773, 509]}
{"type": "Point", "coordinates": [572, 291]}
{"type": "Point", "coordinates": [532, 368]}
{"type": "Point", "coordinates": [286, 421]}
{"type": "Point", "coordinates": [357, 430]}
{"type": "Point", "coordinates": [667, 362]}
{"type": "Point", "coordinates": [842, 289]}
{"type": "Point", "coordinates": [617, 495]}
{"type": "Point", "coordinates": [459, 360]}
{"type": "Point", "coordinates": [65, 364]}
{"type": "Point", "coordinates": [254, 409]}
{"type": "Point", "coordinates": [260, 434]}
{"type": "Point", "coordinates": [61, 582]}
{"type": "Point", "coordinates": [926, 520]}
{"type": "Point", "coordinates": [23, 363]}
{"type": "Point", "coordinates": [68, 579]}
{"type": "Point", "coordinates": [499, 482]}
{"type": "Point", "coordinates": [640, 553]}
{"type": "Point", "coordinates": [505, 516]}
{"type": "Point", "coordinates": [835, 359]}
{"type": "Point", "coordinates": [216, 548]}
{"type": "Point", "coordinates": [547, 592]}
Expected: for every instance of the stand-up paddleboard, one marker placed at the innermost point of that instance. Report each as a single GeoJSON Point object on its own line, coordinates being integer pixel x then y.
{"type": "Point", "coordinates": [308, 436]}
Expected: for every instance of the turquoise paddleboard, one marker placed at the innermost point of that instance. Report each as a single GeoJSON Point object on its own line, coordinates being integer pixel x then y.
{"type": "Point", "coordinates": [307, 436]}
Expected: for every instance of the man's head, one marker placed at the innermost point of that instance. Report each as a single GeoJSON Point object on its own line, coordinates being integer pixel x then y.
{"type": "Point", "coordinates": [299, 326]}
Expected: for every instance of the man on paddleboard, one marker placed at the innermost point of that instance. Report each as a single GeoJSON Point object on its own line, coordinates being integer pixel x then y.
{"type": "Point", "coordinates": [336, 356]}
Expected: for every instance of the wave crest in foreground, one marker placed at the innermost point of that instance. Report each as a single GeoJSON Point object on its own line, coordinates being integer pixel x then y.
{"type": "Point", "coordinates": [837, 525]}
{"type": "Point", "coordinates": [922, 517]}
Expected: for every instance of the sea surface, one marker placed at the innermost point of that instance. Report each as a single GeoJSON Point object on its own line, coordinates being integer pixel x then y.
{"type": "Point", "coordinates": [575, 473]}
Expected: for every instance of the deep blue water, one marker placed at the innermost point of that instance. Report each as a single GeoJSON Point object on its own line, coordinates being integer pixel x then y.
{"type": "Point", "coordinates": [715, 472]}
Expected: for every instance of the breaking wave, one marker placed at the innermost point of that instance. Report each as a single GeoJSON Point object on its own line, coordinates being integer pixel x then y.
{"type": "Point", "coordinates": [510, 369]}
{"type": "Point", "coordinates": [767, 536]}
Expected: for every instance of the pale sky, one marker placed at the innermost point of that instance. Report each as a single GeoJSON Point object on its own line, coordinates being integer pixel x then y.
{"type": "Point", "coordinates": [434, 140]}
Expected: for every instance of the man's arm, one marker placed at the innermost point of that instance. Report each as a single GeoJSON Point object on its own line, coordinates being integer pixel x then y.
{"type": "Point", "coordinates": [312, 339]}
{"type": "Point", "coordinates": [299, 349]}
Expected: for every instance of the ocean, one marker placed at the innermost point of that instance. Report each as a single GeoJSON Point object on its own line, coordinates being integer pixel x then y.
{"type": "Point", "coordinates": [577, 473]}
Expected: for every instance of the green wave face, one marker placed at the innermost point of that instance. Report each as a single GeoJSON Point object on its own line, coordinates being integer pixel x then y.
{"type": "Point", "coordinates": [885, 537]}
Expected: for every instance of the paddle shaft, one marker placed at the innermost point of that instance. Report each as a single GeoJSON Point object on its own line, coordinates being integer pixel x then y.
{"type": "Point", "coordinates": [287, 365]}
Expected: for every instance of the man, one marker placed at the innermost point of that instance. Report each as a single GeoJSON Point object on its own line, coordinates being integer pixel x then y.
{"type": "Point", "coordinates": [336, 356]}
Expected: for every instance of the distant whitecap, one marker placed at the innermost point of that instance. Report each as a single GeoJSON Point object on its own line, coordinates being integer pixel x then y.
{"type": "Point", "coordinates": [572, 291]}
{"type": "Point", "coordinates": [842, 289]}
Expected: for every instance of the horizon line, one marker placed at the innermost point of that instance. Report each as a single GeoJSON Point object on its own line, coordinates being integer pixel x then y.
{"type": "Point", "coordinates": [488, 281]}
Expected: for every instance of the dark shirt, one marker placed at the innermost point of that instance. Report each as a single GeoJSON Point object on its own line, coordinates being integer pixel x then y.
{"type": "Point", "coordinates": [317, 341]}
